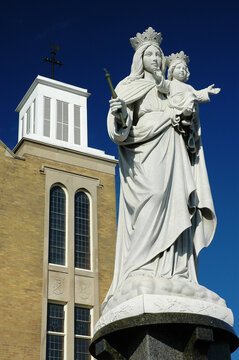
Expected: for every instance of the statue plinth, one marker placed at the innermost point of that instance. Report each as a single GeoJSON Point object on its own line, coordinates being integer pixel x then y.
{"type": "Point", "coordinates": [165, 336]}
{"type": "Point", "coordinates": [141, 294]}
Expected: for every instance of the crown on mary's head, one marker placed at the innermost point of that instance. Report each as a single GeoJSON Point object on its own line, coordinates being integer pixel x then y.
{"type": "Point", "coordinates": [149, 36]}
{"type": "Point", "coordinates": [175, 57]}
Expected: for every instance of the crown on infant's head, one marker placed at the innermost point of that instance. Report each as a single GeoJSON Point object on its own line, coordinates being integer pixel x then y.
{"type": "Point", "coordinates": [149, 36]}
{"type": "Point", "coordinates": [175, 57]}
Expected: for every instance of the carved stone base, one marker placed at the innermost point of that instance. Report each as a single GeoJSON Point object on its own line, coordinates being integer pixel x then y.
{"type": "Point", "coordinates": [169, 336]}
{"type": "Point", "coordinates": [155, 304]}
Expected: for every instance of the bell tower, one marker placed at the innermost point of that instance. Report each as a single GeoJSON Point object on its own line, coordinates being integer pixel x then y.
{"type": "Point", "coordinates": [55, 113]}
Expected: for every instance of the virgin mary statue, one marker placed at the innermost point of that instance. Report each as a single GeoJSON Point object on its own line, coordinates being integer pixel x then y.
{"type": "Point", "coordinates": [166, 213]}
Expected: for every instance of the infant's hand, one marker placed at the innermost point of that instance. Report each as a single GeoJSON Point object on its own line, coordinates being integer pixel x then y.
{"type": "Point", "coordinates": [212, 90]}
{"type": "Point", "coordinates": [117, 105]}
{"type": "Point", "coordinates": [158, 76]}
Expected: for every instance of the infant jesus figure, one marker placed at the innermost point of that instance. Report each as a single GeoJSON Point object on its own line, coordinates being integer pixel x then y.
{"type": "Point", "coordinates": [181, 96]}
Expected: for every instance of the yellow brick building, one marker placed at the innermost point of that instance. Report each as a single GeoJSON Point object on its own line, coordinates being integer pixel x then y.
{"type": "Point", "coordinates": [57, 228]}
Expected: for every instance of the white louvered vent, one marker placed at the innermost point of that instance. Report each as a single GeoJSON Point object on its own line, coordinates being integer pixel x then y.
{"type": "Point", "coordinates": [55, 113]}
{"type": "Point", "coordinates": [62, 121]}
{"type": "Point", "coordinates": [22, 126]}
{"type": "Point", "coordinates": [28, 120]}
{"type": "Point", "coordinates": [77, 124]}
{"type": "Point", "coordinates": [34, 116]}
{"type": "Point", "coordinates": [47, 116]}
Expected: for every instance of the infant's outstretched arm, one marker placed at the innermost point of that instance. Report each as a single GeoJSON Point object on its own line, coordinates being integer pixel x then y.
{"type": "Point", "coordinates": [212, 90]}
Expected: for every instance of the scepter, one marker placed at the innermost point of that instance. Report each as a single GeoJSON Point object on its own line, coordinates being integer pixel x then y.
{"type": "Point", "coordinates": [114, 96]}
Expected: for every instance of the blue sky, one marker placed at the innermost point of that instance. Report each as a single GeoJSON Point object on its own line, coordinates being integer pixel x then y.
{"type": "Point", "coordinates": [93, 35]}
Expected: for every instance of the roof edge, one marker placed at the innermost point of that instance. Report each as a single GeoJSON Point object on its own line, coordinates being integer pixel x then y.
{"type": "Point", "coordinates": [10, 152]}
{"type": "Point", "coordinates": [53, 83]}
{"type": "Point", "coordinates": [18, 145]}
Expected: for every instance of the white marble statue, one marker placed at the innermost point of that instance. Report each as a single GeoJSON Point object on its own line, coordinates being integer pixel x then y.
{"type": "Point", "coordinates": [166, 212]}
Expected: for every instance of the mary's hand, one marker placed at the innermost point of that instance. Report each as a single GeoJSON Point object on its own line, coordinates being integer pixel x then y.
{"type": "Point", "coordinates": [158, 76]}
{"type": "Point", "coordinates": [117, 105]}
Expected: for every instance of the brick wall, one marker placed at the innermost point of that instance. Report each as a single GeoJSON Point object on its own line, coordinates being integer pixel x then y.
{"type": "Point", "coordinates": [22, 197]}
{"type": "Point", "coordinates": [21, 250]}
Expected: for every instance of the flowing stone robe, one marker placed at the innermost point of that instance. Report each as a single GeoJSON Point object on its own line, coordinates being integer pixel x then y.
{"type": "Point", "coordinates": [166, 213]}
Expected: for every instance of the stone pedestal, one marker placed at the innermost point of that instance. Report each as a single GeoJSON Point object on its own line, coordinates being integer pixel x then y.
{"type": "Point", "coordinates": [165, 336]}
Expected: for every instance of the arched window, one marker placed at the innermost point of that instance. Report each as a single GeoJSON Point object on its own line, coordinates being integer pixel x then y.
{"type": "Point", "coordinates": [82, 231]}
{"type": "Point", "coordinates": [57, 226]}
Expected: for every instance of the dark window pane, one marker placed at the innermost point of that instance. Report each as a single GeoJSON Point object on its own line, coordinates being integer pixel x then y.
{"type": "Point", "coordinates": [55, 347]}
{"type": "Point", "coordinates": [57, 226]}
{"type": "Point", "coordinates": [55, 318]}
{"type": "Point", "coordinates": [82, 231]}
{"type": "Point", "coordinates": [82, 349]}
{"type": "Point", "coordinates": [82, 321]}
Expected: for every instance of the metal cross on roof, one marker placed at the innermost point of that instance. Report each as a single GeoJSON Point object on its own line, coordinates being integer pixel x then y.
{"type": "Point", "coordinates": [53, 62]}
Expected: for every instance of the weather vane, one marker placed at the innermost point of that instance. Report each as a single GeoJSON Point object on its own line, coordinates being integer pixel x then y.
{"type": "Point", "coordinates": [53, 62]}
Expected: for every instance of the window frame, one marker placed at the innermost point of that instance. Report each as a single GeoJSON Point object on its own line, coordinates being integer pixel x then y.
{"type": "Point", "coordinates": [71, 182]}
{"type": "Point", "coordinates": [86, 337]}
{"type": "Point", "coordinates": [55, 333]}
{"type": "Point", "coordinates": [66, 226]}
{"type": "Point", "coordinates": [84, 191]}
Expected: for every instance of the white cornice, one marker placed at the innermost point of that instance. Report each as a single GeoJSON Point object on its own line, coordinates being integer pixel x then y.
{"type": "Point", "coordinates": [100, 155]}
{"type": "Point", "coordinates": [54, 84]}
